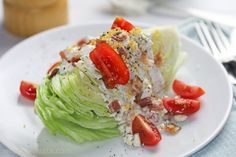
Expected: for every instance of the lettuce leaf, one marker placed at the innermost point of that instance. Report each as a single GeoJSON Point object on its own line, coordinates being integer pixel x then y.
{"type": "Point", "coordinates": [70, 105]}
{"type": "Point", "coordinates": [166, 44]}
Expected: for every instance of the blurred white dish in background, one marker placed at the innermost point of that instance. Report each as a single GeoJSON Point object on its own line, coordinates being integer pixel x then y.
{"type": "Point", "coordinates": [129, 7]}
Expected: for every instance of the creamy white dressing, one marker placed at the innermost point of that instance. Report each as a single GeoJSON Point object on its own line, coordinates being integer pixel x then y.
{"type": "Point", "coordinates": [65, 67]}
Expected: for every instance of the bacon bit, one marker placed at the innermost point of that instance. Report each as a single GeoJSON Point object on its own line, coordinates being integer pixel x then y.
{"type": "Point", "coordinates": [147, 101]}
{"type": "Point", "coordinates": [136, 88]}
{"type": "Point", "coordinates": [82, 42]}
{"type": "Point", "coordinates": [74, 59]}
{"type": "Point", "coordinates": [152, 103]}
{"type": "Point", "coordinates": [107, 82]}
{"type": "Point", "coordinates": [53, 66]}
{"type": "Point", "coordinates": [172, 128]}
{"type": "Point", "coordinates": [158, 60]}
{"type": "Point", "coordinates": [136, 85]}
{"type": "Point", "coordinates": [53, 73]}
{"type": "Point", "coordinates": [144, 58]}
{"type": "Point", "coordinates": [119, 37]}
{"type": "Point", "coordinates": [114, 106]}
{"type": "Point", "coordinates": [138, 98]}
{"type": "Point", "coordinates": [63, 55]}
{"type": "Point", "coordinates": [122, 52]}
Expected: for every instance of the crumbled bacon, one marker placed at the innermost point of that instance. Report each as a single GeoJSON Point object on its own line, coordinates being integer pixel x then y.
{"type": "Point", "coordinates": [147, 101]}
{"type": "Point", "coordinates": [138, 98]}
{"type": "Point", "coordinates": [136, 88]}
{"type": "Point", "coordinates": [158, 60]}
{"type": "Point", "coordinates": [119, 37]}
{"type": "Point", "coordinates": [82, 42]}
{"type": "Point", "coordinates": [144, 58]}
{"type": "Point", "coordinates": [172, 128]}
{"type": "Point", "coordinates": [136, 85]}
{"type": "Point", "coordinates": [152, 103]}
{"type": "Point", "coordinates": [63, 55]}
{"type": "Point", "coordinates": [114, 106]}
{"type": "Point", "coordinates": [122, 52]}
{"type": "Point", "coordinates": [53, 73]}
{"type": "Point", "coordinates": [72, 60]}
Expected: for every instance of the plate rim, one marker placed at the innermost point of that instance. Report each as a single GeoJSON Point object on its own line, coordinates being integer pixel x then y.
{"type": "Point", "coordinates": [182, 37]}
{"type": "Point", "coordinates": [230, 90]}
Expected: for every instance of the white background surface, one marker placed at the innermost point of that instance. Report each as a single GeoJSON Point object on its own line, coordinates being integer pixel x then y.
{"type": "Point", "coordinates": [84, 11]}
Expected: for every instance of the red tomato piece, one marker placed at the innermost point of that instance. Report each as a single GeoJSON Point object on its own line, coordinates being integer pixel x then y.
{"type": "Point", "coordinates": [148, 133]}
{"type": "Point", "coordinates": [122, 24]}
{"type": "Point", "coordinates": [28, 90]}
{"type": "Point", "coordinates": [181, 105]}
{"type": "Point", "coordinates": [53, 66]}
{"type": "Point", "coordinates": [187, 91]}
{"type": "Point", "coordinates": [110, 64]}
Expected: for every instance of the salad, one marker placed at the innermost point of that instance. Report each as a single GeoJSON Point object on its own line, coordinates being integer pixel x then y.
{"type": "Point", "coordinates": [117, 84]}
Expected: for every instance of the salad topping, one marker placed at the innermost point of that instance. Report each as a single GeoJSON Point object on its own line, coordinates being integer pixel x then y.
{"type": "Point", "coordinates": [28, 90]}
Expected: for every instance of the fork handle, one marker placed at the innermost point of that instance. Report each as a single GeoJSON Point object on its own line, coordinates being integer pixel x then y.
{"type": "Point", "coordinates": [231, 67]}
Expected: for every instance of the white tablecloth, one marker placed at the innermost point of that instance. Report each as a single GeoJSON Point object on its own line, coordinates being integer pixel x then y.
{"type": "Point", "coordinates": [84, 11]}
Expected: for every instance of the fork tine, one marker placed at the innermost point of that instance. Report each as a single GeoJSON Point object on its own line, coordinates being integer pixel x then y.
{"type": "Point", "coordinates": [201, 37]}
{"type": "Point", "coordinates": [213, 38]}
{"type": "Point", "coordinates": [216, 37]}
{"type": "Point", "coordinates": [222, 35]}
{"type": "Point", "coordinates": [214, 50]}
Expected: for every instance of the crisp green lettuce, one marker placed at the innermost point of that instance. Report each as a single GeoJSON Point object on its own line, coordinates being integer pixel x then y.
{"type": "Point", "coordinates": [70, 105]}
{"type": "Point", "coordinates": [166, 42]}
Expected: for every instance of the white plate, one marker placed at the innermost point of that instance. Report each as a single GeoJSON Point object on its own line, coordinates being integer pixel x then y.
{"type": "Point", "coordinates": [23, 132]}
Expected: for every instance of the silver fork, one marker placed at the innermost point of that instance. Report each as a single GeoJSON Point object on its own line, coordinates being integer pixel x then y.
{"type": "Point", "coordinates": [214, 39]}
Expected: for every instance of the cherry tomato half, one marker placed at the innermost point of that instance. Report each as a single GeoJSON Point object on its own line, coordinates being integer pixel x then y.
{"type": "Point", "coordinates": [122, 24]}
{"type": "Point", "coordinates": [148, 133]}
{"type": "Point", "coordinates": [187, 91]}
{"type": "Point", "coordinates": [28, 90]}
{"type": "Point", "coordinates": [181, 105]}
{"type": "Point", "coordinates": [110, 64]}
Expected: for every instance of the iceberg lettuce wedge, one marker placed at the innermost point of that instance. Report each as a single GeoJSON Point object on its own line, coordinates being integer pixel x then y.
{"type": "Point", "coordinates": [66, 107]}
{"type": "Point", "coordinates": [72, 104]}
{"type": "Point", "coordinates": [166, 45]}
